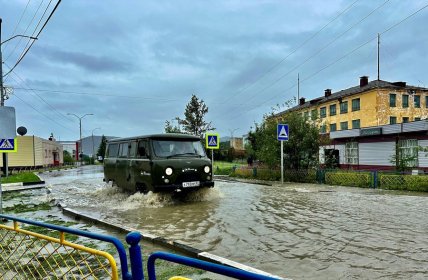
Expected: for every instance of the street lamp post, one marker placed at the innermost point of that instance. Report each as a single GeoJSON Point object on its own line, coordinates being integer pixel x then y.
{"type": "Point", "coordinates": [80, 136]}
{"type": "Point", "coordinates": [93, 148]}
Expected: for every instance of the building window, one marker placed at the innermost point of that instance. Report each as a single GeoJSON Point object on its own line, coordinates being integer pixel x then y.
{"type": "Point", "coordinates": [323, 112]}
{"type": "Point", "coordinates": [355, 123]}
{"type": "Point", "coordinates": [356, 104]}
{"type": "Point", "coordinates": [314, 114]}
{"type": "Point", "coordinates": [343, 125]}
{"type": "Point", "coordinates": [392, 120]}
{"type": "Point", "coordinates": [333, 110]}
{"type": "Point", "coordinates": [46, 153]}
{"type": "Point", "coordinates": [405, 101]}
{"type": "Point", "coordinates": [351, 153]}
{"type": "Point", "coordinates": [392, 100]}
{"type": "Point", "coordinates": [408, 150]}
{"type": "Point", "coordinates": [306, 115]}
{"type": "Point", "coordinates": [333, 127]}
{"type": "Point", "coordinates": [426, 101]}
{"type": "Point", "coordinates": [344, 107]}
{"type": "Point", "coordinates": [405, 119]}
{"type": "Point", "coordinates": [323, 128]}
{"type": "Point", "coordinates": [417, 101]}
{"type": "Point", "coordinates": [417, 119]}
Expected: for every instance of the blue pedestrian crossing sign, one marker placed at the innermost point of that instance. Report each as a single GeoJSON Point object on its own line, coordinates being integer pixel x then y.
{"type": "Point", "coordinates": [212, 141]}
{"type": "Point", "coordinates": [8, 145]}
{"type": "Point", "coordinates": [282, 132]}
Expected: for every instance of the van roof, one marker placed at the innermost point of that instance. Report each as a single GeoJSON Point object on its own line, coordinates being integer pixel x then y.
{"type": "Point", "coordinates": [157, 136]}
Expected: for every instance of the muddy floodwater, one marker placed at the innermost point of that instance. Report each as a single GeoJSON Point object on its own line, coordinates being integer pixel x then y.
{"type": "Point", "coordinates": [297, 231]}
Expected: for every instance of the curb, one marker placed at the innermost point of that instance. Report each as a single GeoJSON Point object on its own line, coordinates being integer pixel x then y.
{"type": "Point", "coordinates": [226, 178]}
{"type": "Point", "coordinates": [188, 250]}
{"type": "Point", "coordinates": [20, 184]}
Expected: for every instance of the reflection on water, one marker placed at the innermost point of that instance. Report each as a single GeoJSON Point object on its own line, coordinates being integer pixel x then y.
{"type": "Point", "coordinates": [298, 231]}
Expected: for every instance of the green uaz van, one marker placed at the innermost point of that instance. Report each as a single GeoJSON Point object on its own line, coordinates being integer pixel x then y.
{"type": "Point", "coordinates": [158, 163]}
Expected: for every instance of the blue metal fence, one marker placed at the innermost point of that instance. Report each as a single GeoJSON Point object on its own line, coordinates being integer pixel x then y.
{"type": "Point", "coordinates": [45, 248]}
{"type": "Point", "coordinates": [207, 266]}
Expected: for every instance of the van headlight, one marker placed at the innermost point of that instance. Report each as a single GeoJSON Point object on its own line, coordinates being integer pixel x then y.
{"type": "Point", "coordinates": [168, 171]}
{"type": "Point", "coordinates": [207, 169]}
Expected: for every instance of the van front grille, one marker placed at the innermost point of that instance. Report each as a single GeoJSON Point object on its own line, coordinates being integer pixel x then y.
{"type": "Point", "coordinates": [188, 177]}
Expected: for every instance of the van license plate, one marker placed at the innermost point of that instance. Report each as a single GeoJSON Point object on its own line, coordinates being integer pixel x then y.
{"type": "Point", "coordinates": [191, 184]}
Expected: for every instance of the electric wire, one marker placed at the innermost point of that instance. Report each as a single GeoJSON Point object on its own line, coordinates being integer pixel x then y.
{"type": "Point", "coordinates": [41, 98]}
{"type": "Point", "coordinates": [38, 111]}
{"type": "Point", "coordinates": [316, 53]}
{"type": "Point", "coordinates": [292, 52]}
{"type": "Point", "coordinates": [32, 43]}
{"type": "Point", "coordinates": [25, 31]}
{"type": "Point", "coordinates": [336, 61]}
{"type": "Point", "coordinates": [16, 26]}
{"type": "Point", "coordinates": [37, 26]}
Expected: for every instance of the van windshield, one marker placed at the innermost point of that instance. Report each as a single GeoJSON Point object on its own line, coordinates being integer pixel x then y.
{"type": "Point", "coordinates": [178, 148]}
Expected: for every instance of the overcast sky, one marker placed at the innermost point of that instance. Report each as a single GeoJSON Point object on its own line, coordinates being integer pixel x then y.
{"type": "Point", "coordinates": [135, 64]}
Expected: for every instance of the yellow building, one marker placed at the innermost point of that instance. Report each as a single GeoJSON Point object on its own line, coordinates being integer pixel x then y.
{"type": "Point", "coordinates": [368, 104]}
{"type": "Point", "coordinates": [34, 151]}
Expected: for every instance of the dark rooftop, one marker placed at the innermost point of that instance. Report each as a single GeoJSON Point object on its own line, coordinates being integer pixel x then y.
{"type": "Point", "coordinates": [352, 91]}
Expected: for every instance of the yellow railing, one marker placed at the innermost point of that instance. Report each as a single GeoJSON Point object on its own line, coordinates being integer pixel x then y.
{"type": "Point", "coordinates": [29, 255]}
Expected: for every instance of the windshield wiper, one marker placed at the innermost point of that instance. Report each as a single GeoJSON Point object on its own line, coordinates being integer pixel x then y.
{"type": "Point", "coordinates": [183, 154]}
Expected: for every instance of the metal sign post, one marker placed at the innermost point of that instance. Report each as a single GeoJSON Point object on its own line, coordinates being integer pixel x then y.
{"type": "Point", "coordinates": [212, 141]}
{"type": "Point", "coordinates": [282, 135]}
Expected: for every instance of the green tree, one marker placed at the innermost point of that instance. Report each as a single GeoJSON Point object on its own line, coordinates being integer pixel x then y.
{"type": "Point", "coordinates": [170, 128]}
{"type": "Point", "coordinates": [300, 151]}
{"type": "Point", "coordinates": [102, 148]}
{"type": "Point", "coordinates": [194, 117]}
{"type": "Point", "coordinates": [67, 157]}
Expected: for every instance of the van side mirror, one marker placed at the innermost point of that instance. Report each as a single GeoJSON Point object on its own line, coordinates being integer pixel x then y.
{"type": "Point", "coordinates": [142, 151]}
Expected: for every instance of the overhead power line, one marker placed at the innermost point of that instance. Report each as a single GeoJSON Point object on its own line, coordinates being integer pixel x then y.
{"type": "Point", "coordinates": [25, 31]}
{"type": "Point", "coordinates": [315, 53]}
{"type": "Point", "coordinates": [336, 61]}
{"type": "Point", "coordinates": [17, 24]}
{"type": "Point", "coordinates": [41, 98]}
{"type": "Point", "coordinates": [32, 43]}
{"type": "Point", "coordinates": [292, 52]}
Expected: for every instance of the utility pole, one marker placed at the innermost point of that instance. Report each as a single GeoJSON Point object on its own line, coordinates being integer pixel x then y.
{"type": "Point", "coordinates": [298, 88]}
{"type": "Point", "coordinates": [378, 56]}
{"type": "Point", "coordinates": [2, 93]}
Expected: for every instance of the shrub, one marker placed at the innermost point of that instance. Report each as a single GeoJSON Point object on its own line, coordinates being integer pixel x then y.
{"type": "Point", "coordinates": [351, 179]}
{"type": "Point", "coordinates": [404, 182]}
{"type": "Point", "coordinates": [300, 176]}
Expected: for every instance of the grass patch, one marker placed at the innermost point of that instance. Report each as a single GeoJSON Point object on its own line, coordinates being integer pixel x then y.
{"type": "Point", "coordinates": [21, 177]}
{"type": "Point", "coordinates": [23, 208]}
{"type": "Point", "coordinates": [53, 233]}
{"type": "Point", "coordinates": [13, 195]}
{"type": "Point", "coordinates": [226, 164]}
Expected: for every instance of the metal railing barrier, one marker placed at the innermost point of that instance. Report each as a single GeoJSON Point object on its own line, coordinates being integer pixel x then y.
{"type": "Point", "coordinates": [41, 251]}
{"type": "Point", "coordinates": [207, 266]}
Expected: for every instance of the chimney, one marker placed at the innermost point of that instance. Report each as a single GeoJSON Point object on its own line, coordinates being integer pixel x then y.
{"type": "Point", "coordinates": [364, 80]}
{"type": "Point", "coordinates": [302, 101]}
{"type": "Point", "coordinates": [327, 92]}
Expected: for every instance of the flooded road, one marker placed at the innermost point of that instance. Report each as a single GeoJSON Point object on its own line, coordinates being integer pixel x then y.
{"type": "Point", "coordinates": [297, 231]}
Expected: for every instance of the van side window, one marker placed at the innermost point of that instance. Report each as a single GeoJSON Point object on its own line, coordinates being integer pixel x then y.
{"type": "Point", "coordinates": [112, 150]}
{"type": "Point", "coordinates": [143, 151]}
{"type": "Point", "coordinates": [133, 150]}
{"type": "Point", "coordinates": [124, 149]}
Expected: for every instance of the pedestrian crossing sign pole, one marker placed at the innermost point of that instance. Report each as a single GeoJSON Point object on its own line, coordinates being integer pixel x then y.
{"type": "Point", "coordinates": [282, 135]}
{"type": "Point", "coordinates": [212, 142]}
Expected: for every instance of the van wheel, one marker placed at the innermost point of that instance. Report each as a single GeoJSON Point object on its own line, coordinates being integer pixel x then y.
{"type": "Point", "coordinates": [141, 188]}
